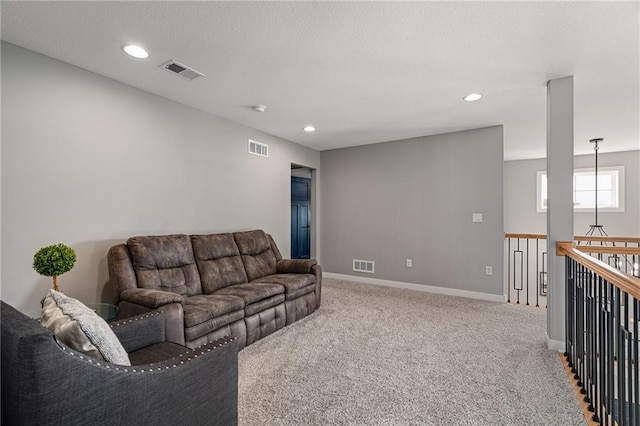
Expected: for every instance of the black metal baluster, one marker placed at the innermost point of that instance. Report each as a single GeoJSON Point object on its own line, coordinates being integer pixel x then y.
{"type": "Point", "coordinates": [527, 252]}
{"type": "Point", "coordinates": [622, 323]}
{"type": "Point", "coordinates": [509, 269]}
{"type": "Point", "coordinates": [576, 316]}
{"type": "Point", "coordinates": [604, 351]}
{"type": "Point", "coordinates": [629, 370]}
{"type": "Point", "coordinates": [569, 264]}
{"type": "Point", "coordinates": [599, 392]}
{"type": "Point", "coordinates": [590, 352]}
{"type": "Point", "coordinates": [543, 274]}
{"type": "Point", "coordinates": [595, 327]}
{"type": "Point", "coordinates": [623, 395]}
{"type": "Point", "coordinates": [574, 319]}
{"type": "Point", "coordinates": [580, 328]}
{"type": "Point", "coordinates": [617, 354]}
{"type": "Point", "coordinates": [610, 353]}
{"type": "Point", "coordinates": [517, 250]}
{"type": "Point", "coordinates": [537, 272]}
{"type": "Point", "coordinates": [628, 365]}
{"type": "Point", "coordinates": [634, 363]}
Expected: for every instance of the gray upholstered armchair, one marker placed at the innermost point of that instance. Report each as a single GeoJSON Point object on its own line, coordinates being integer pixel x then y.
{"type": "Point", "coordinates": [45, 382]}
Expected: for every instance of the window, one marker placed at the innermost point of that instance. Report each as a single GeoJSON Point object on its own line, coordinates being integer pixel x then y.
{"type": "Point", "coordinates": [610, 190]}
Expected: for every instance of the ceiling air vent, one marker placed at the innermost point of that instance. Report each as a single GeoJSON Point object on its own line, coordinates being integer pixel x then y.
{"type": "Point", "coordinates": [258, 148]}
{"type": "Point", "coordinates": [181, 70]}
{"type": "Point", "coordinates": [367, 266]}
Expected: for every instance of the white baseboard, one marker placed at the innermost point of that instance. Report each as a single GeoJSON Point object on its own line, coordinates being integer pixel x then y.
{"type": "Point", "coordinates": [555, 345]}
{"type": "Point", "coordinates": [419, 287]}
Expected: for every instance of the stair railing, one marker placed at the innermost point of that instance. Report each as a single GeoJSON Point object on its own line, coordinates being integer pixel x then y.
{"type": "Point", "coordinates": [602, 326]}
{"type": "Point", "coordinates": [526, 268]}
{"type": "Point", "coordinates": [526, 262]}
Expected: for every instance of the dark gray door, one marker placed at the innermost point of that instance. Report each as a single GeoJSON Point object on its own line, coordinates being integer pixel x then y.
{"type": "Point", "coordinates": [300, 218]}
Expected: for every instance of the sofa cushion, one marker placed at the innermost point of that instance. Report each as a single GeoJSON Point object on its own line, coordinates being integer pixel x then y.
{"type": "Point", "coordinates": [203, 329]}
{"type": "Point", "coordinates": [263, 304]}
{"type": "Point", "coordinates": [165, 263]}
{"type": "Point", "coordinates": [257, 255]}
{"type": "Point", "coordinates": [252, 292]}
{"type": "Point", "coordinates": [80, 328]}
{"type": "Point", "coordinates": [201, 308]}
{"type": "Point", "coordinates": [291, 282]}
{"type": "Point", "coordinates": [218, 260]}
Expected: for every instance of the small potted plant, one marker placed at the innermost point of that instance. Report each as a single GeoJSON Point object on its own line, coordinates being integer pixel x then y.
{"type": "Point", "coordinates": [54, 260]}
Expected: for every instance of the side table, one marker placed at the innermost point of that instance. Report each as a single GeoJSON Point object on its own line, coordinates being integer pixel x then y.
{"type": "Point", "coordinates": [104, 310]}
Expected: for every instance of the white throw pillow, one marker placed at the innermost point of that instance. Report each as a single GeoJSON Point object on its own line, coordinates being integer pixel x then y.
{"type": "Point", "coordinates": [80, 328]}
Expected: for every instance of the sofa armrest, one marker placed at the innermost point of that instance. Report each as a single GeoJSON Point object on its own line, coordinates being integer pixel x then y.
{"type": "Point", "coordinates": [150, 298]}
{"type": "Point", "coordinates": [317, 271]}
{"type": "Point", "coordinates": [174, 323]}
{"type": "Point", "coordinates": [140, 331]}
{"type": "Point", "coordinates": [295, 266]}
{"type": "Point", "coordinates": [173, 316]}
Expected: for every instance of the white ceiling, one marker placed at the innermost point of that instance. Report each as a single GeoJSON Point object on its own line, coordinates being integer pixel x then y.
{"type": "Point", "coordinates": [363, 72]}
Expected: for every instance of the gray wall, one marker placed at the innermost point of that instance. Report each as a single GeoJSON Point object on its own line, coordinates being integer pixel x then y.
{"type": "Point", "coordinates": [520, 214]}
{"type": "Point", "coordinates": [88, 162]}
{"type": "Point", "coordinates": [414, 199]}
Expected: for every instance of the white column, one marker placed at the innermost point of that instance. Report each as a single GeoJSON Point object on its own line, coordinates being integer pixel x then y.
{"type": "Point", "coordinates": [559, 201]}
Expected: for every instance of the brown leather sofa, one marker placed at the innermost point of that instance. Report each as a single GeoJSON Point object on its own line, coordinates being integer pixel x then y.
{"type": "Point", "coordinates": [216, 285]}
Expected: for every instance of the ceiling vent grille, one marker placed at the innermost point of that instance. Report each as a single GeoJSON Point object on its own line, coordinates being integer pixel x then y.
{"type": "Point", "coordinates": [367, 266]}
{"type": "Point", "coordinates": [258, 148]}
{"type": "Point", "coordinates": [181, 70]}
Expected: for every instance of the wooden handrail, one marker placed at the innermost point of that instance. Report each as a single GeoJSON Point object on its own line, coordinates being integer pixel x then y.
{"type": "Point", "coordinates": [609, 249]}
{"type": "Point", "coordinates": [633, 240]}
{"type": "Point", "coordinates": [528, 236]}
{"type": "Point", "coordinates": [624, 282]}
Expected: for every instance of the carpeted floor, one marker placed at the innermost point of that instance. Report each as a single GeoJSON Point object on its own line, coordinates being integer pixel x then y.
{"type": "Point", "coordinates": [382, 356]}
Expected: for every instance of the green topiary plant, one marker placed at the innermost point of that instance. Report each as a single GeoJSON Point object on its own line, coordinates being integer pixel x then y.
{"type": "Point", "coordinates": [54, 260]}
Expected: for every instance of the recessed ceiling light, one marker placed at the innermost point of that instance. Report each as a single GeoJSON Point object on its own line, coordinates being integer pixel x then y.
{"type": "Point", "coordinates": [472, 97]}
{"type": "Point", "coordinates": [135, 51]}
{"type": "Point", "coordinates": [309, 129]}
{"type": "Point", "coordinates": [259, 108]}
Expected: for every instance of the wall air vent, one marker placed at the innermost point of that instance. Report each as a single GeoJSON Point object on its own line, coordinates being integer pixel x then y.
{"type": "Point", "coordinates": [367, 266]}
{"type": "Point", "coordinates": [258, 148]}
{"type": "Point", "coordinates": [181, 70]}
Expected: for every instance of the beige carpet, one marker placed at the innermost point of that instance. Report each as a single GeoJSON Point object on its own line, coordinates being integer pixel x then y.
{"type": "Point", "coordinates": [381, 356]}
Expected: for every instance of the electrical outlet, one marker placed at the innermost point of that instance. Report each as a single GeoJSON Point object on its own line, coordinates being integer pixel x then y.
{"type": "Point", "coordinates": [409, 263]}
{"type": "Point", "coordinates": [488, 270]}
{"type": "Point", "coordinates": [476, 217]}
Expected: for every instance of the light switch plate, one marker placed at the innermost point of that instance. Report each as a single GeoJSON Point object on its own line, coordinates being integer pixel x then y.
{"type": "Point", "coordinates": [476, 217]}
